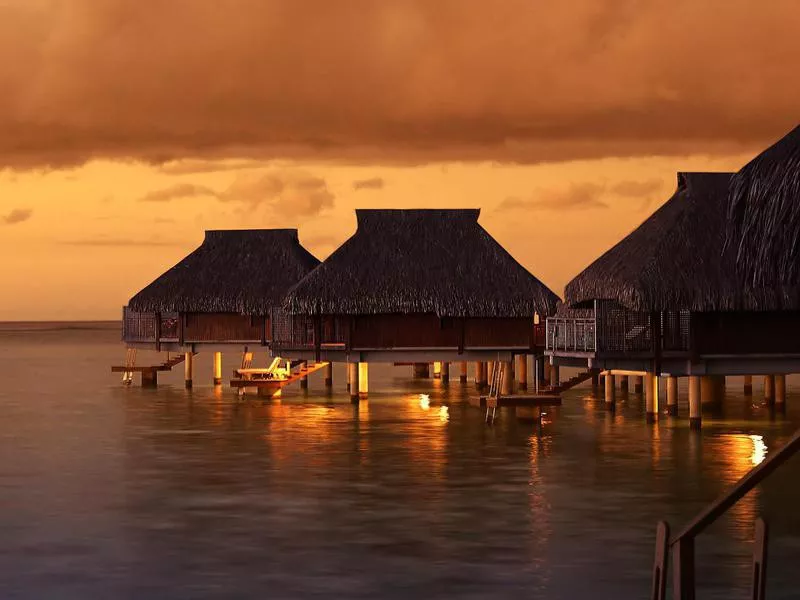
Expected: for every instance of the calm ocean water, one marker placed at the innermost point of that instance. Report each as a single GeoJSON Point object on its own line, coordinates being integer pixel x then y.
{"type": "Point", "coordinates": [113, 492]}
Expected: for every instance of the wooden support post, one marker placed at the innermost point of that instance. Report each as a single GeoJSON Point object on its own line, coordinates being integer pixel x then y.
{"type": "Point", "coordinates": [780, 392]}
{"type": "Point", "coordinates": [595, 381]}
{"type": "Point", "coordinates": [769, 388]}
{"type": "Point", "coordinates": [490, 371]}
{"type": "Point", "coordinates": [217, 368]}
{"type": "Point", "coordinates": [610, 390]}
{"type": "Point", "coordinates": [695, 415]}
{"type": "Point", "coordinates": [352, 377]}
{"type": "Point", "coordinates": [651, 397]}
{"type": "Point", "coordinates": [187, 369]}
{"type": "Point", "coordinates": [683, 569]}
{"type": "Point", "coordinates": [421, 371]}
{"type": "Point", "coordinates": [476, 366]}
{"type": "Point", "coordinates": [507, 378]}
{"type": "Point", "coordinates": [445, 375]}
{"type": "Point", "coordinates": [555, 375]}
{"type": "Point", "coordinates": [638, 384]}
{"type": "Point", "coordinates": [748, 385]}
{"type": "Point", "coordinates": [437, 370]}
{"type": "Point", "coordinates": [484, 374]}
{"type": "Point", "coordinates": [759, 589]}
{"type": "Point", "coordinates": [149, 378]}
{"type": "Point", "coordinates": [659, 591]}
{"type": "Point", "coordinates": [463, 376]}
{"type": "Point", "coordinates": [363, 380]}
{"type": "Point", "coordinates": [304, 379]}
{"type": "Point", "coordinates": [672, 395]}
{"type": "Point", "coordinates": [548, 372]}
{"type": "Point", "coordinates": [623, 383]}
{"type": "Point", "coordinates": [329, 375]}
{"type": "Point", "coordinates": [522, 371]}
{"type": "Point", "coordinates": [540, 369]}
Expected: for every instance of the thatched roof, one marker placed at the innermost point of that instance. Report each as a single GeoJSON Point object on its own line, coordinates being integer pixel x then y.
{"type": "Point", "coordinates": [764, 224]}
{"type": "Point", "coordinates": [673, 260]}
{"type": "Point", "coordinates": [238, 271]}
{"type": "Point", "coordinates": [421, 261]}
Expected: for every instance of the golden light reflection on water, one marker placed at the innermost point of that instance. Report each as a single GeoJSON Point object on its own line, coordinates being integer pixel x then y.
{"type": "Point", "coordinates": [759, 449]}
{"type": "Point", "coordinates": [539, 519]}
{"type": "Point", "coordinates": [444, 414]}
{"type": "Point", "coordinates": [739, 453]}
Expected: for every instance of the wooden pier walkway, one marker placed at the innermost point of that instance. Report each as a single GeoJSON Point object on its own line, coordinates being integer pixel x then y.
{"type": "Point", "coordinates": [149, 372]}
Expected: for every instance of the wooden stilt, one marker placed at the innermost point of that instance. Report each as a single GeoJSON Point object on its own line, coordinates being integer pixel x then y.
{"type": "Point", "coordinates": [780, 392]}
{"type": "Point", "coordinates": [522, 371]}
{"type": "Point", "coordinates": [748, 385]}
{"type": "Point", "coordinates": [187, 369]}
{"type": "Point", "coordinates": [329, 375]}
{"type": "Point", "coordinates": [352, 377]}
{"type": "Point", "coordinates": [638, 384]}
{"type": "Point", "coordinates": [462, 378]}
{"type": "Point", "coordinates": [651, 397]}
{"type": "Point", "coordinates": [769, 388]}
{"type": "Point", "coordinates": [672, 395]}
{"type": "Point", "coordinates": [610, 391]}
{"type": "Point", "coordinates": [623, 383]}
{"type": "Point", "coordinates": [695, 416]}
{"type": "Point", "coordinates": [149, 378]}
{"type": "Point", "coordinates": [507, 378]}
{"type": "Point", "coordinates": [555, 375]}
{"type": "Point", "coordinates": [709, 390]}
{"type": "Point", "coordinates": [437, 370]}
{"type": "Point", "coordinates": [445, 376]}
{"type": "Point", "coordinates": [303, 380]}
{"type": "Point", "coordinates": [363, 380]}
{"type": "Point", "coordinates": [217, 368]}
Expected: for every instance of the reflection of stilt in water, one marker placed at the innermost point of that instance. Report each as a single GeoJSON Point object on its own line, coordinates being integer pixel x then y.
{"type": "Point", "coordinates": [740, 453]}
{"type": "Point", "coordinates": [539, 516]}
{"type": "Point", "coordinates": [655, 445]}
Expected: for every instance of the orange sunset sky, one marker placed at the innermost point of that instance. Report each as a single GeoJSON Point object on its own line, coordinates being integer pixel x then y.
{"type": "Point", "coordinates": [128, 127]}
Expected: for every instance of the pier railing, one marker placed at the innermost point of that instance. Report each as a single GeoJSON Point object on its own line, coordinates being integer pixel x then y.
{"type": "Point", "coordinates": [681, 546]}
{"type": "Point", "coordinates": [571, 335]}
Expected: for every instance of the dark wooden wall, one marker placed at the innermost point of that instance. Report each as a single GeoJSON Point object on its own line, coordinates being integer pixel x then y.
{"type": "Point", "coordinates": [746, 332]}
{"type": "Point", "coordinates": [429, 331]}
{"type": "Point", "coordinates": [222, 327]}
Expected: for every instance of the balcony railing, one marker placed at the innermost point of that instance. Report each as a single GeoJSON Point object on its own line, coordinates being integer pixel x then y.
{"type": "Point", "coordinates": [571, 335]}
{"type": "Point", "coordinates": [613, 329]}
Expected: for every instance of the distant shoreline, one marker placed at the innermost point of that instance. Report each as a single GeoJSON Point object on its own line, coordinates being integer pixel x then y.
{"type": "Point", "coordinates": [22, 326]}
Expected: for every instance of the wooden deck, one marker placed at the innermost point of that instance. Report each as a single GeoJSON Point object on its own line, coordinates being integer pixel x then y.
{"type": "Point", "coordinates": [273, 385]}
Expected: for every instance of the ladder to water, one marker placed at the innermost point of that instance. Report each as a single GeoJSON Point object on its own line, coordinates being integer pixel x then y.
{"type": "Point", "coordinates": [494, 392]}
{"type": "Point", "coordinates": [130, 363]}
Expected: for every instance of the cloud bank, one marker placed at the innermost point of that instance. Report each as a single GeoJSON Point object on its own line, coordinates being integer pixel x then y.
{"type": "Point", "coordinates": [396, 80]}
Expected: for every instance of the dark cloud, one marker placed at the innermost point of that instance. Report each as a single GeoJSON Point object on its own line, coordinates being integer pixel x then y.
{"type": "Point", "coordinates": [119, 242]}
{"type": "Point", "coordinates": [177, 191]}
{"type": "Point", "coordinates": [296, 191]}
{"type": "Point", "coordinates": [374, 183]}
{"type": "Point", "coordinates": [586, 195]}
{"type": "Point", "coordinates": [16, 216]}
{"type": "Point", "coordinates": [396, 80]}
{"type": "Point", "coordinates": [637, 189]}
{"type": "Point", "coordinates": [577, 197]}
{"type": "Point", "coordinates": [194, 167]}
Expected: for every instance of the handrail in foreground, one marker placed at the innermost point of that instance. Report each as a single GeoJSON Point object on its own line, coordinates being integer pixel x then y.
{"type": "Point", "coordinates": [682, 545]}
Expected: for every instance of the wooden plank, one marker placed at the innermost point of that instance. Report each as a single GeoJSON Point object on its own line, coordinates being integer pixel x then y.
{"type": "Point", "coordinates": [760, 560]}
{"type": "Point", "coordinates": [661, 562]}
{"type": "Point", "coordinates": [683, 569]}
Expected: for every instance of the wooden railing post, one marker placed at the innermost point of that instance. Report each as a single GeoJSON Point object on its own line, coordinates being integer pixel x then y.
{"type": "Point", "coordinates": [683, 569]}
{"type": "Point", "coordinates": [661, 563]}
{"type": "Point", "coordinates": [760, 560]}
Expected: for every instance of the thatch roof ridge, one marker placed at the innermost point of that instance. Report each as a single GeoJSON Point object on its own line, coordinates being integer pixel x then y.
{"type": "Point", "coordinates": [421, 261]}
{"type": "Point", "coordinates": [670, 261]}
{"type": "Point", "coordinates": [764, 223]}
{"type": "Point", "coordinates": [246, 271]}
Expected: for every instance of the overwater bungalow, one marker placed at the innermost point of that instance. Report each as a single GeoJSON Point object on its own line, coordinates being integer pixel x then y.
{"type": "Point", "coordinates": [219, 297]}
{"type": "Point", "coordinates": [415, 286]}
{"type": "Point", "coordinates": [705, 287]}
